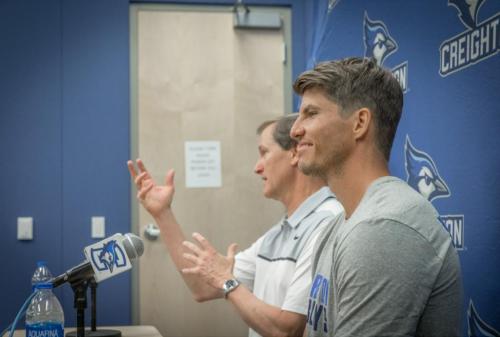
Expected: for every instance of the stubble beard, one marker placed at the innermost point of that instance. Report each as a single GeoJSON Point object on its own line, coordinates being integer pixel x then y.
{"type": "Point", "coordinates": [311, 169]}
{"type": "Point", "coordinates": [332, 163]}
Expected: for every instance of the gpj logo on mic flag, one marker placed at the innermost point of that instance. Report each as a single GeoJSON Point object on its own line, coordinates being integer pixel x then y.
{"type": "Point", "coordinates": [108, 257]}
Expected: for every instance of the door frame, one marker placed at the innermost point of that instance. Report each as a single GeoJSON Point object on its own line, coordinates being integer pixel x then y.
{"type": "Point", "coordinates": [286, 16]}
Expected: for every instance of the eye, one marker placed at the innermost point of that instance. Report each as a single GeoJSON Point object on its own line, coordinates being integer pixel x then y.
{"type": "Point", "coordinates": [310, 113]}
{"type": "Point", "coordinates": [428, 179]}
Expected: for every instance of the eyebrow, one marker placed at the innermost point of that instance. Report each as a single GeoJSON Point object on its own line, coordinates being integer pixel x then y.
{"type": "Point", "coordinates": [310, 107]}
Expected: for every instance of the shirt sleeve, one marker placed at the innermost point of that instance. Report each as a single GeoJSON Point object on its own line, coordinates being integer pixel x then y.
{"type": "Point", "coordinates": [245, 264]}
{"type": "Point", "coordinates": [383, 272]}
{"type": "Point", "coordinates": [298, 291]}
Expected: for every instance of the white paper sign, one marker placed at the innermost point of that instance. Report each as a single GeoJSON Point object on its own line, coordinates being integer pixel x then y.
{"type": "Point", "coordinates": [203, 167]}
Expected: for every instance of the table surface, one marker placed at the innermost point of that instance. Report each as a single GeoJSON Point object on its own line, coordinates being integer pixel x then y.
{"type": "Point", "coordinates": [127, 331]}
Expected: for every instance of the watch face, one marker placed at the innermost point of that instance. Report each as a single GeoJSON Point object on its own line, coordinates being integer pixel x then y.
{"type": "Point", "coordinates": [229, 286]}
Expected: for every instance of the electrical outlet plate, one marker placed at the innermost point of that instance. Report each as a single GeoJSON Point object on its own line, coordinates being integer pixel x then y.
{"type": "Point", "coordinates": [25, 228]}
{"type": "Point", "coordinates": [98, 227]}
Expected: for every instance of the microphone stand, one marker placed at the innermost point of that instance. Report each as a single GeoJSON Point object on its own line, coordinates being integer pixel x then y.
{"type": "Point", "coordinates": [80, 304]}
{"type": "Point", "coordinates": [93, 300]}
{"type": "Point", "coordinates": [93, 332]}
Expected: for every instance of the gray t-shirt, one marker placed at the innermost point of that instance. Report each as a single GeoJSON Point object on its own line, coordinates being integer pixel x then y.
{"type": "Point", "coordinates": [389, 270]}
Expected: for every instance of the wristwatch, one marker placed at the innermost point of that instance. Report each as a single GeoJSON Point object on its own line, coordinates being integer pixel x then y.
{"type": "Point", "coordinates": [229, 286]}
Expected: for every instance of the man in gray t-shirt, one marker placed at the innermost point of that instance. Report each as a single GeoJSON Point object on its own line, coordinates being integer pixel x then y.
{"type": "Point", "coordinates": [389, 268]}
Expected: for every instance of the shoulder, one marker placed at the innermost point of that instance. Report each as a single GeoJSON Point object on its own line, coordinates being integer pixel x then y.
{"type": "Point", "coordinates": [394, 198]}
{"type": "Point", "coordinates": [393, 201]}
{"type": "Point", "coordinates": [385, 248]}
{"type": "Point", "coordinates": [381, 245]}
{"type": "Point", "coordinates": [331, 205]}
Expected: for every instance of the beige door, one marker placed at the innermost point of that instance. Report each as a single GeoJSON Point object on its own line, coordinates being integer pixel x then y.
{"type": "Point", "coordinates": [195, 78]}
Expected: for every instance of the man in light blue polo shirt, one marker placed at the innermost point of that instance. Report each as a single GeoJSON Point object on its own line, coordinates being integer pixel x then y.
{"type": "Point", "coordinates": [268, 283]}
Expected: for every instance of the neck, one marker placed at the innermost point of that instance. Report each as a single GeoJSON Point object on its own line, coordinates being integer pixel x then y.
{"type": "Point", "coordinates": [358, 172]}
{"type": "Point", "coordinates": [302, 188]}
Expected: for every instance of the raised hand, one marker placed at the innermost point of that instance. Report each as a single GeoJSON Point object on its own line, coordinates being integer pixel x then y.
{"type": "Point", "coordinates": [155, 198]}
{"type": "Point", "coordinates": [211, 266]}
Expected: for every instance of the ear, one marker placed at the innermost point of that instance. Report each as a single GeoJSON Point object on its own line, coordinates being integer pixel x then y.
{"type": "Point", "coordinates": [294, 160]}
{"type": "Point", "coordinates": [362, 121]}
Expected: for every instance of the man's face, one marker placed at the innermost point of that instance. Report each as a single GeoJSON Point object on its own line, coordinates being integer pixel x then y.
{"type": "Point", "coordinates": [274, 165]}
{"type": "Point", "coordinates": [323, 135]}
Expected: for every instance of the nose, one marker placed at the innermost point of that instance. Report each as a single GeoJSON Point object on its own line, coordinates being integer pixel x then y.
{"type": "Point", "coordinates": [297, 131]}
{"type": "Point", "coordinates": [259, 167]}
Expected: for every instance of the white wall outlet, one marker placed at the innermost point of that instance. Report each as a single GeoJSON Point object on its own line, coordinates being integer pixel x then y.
{"type": "Point", "coordinates": [25, 228]}
{"type": "Point", "coordinates": [98, 227]}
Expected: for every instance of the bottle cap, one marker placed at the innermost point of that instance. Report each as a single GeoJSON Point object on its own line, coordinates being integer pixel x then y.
{"type": "Point", "coordinates": [44, 285]}
{"type": "Point", "coordinates": [41, 263]}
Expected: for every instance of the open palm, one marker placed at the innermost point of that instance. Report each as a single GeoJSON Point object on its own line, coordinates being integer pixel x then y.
{"type": "Point", "coordinates": [155, 198]}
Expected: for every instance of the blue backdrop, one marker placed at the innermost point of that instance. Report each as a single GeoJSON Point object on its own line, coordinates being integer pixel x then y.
{"type": "Point", "coordinates": [445, 56]}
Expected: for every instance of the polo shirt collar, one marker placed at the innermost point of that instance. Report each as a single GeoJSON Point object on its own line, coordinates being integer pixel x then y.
{"type": "Point", "coordinates": [308, 206]}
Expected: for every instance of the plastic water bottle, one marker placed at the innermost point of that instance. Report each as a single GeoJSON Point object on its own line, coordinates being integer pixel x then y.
{"type": "Point", "coordinates": [42, 274]}
{"type": "Point", "coordinates": [44, 317]}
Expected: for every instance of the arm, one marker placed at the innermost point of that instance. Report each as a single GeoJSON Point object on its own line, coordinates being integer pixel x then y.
{"type": "Point", "coordinates": [384, 272]}
{"type": "Point", "coordinates": [157, 200]}
{"type": "Point", "coordinates": [266, 319]}
{"type": "Point", "coordinates": [215, 269]}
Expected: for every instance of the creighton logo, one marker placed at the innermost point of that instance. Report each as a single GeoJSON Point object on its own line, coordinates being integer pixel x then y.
{"type": "Point", "coordinates": [477, 43]}
{"type": "Point", "coordinates": [317, 318]}
{"type": "Point", "coordinates": [476, 326]}
{"type": "Point", "coordinates": [379, 44]}
{"type": "Point", "coordinates": [108, 257]}
{"type": "Point", "coordinates": [423, 176]}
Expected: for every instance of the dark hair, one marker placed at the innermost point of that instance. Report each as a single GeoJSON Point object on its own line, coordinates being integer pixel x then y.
{"type": "Point", "coordinates": [354, 83]}
{"type": "Point", "coordinates": [281, 133]}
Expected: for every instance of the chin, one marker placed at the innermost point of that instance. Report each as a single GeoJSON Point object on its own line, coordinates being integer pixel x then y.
{"type": "Point", "coordinates": [266, 193]}
{"type": "Point", "coordinates": [311, 169]}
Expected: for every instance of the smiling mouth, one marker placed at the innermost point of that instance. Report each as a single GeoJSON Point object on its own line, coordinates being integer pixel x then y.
{"type": "Point", "coordinates": [303, 146]}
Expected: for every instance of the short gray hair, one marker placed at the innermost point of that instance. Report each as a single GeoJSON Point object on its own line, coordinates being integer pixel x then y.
{"type": "Point", "coordinates": [281, 133]}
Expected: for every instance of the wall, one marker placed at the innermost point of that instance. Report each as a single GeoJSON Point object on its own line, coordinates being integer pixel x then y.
{"type": "Point", "coordinates": [64, 137]}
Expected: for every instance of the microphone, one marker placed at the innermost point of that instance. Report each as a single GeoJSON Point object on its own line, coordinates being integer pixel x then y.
{"type": "Point", "coordinates": [104, 259]}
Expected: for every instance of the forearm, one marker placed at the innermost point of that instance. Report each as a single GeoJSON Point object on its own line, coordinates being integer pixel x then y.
{"type": "Point", "coordinates": [173, 237]}
{"type": "Point", "coordinates": [264, 318]}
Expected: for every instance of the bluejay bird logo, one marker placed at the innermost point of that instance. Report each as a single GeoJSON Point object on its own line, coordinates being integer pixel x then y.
{"type": "Point", "coordinates": [109, 256]}
{"type": "Point", "coordinates": [468, 10]}
{"type": "Point", "coordinates": [422, 173]}
{"type": "Point", "coordinates": [476, 326]}
{"type": "Point", "coordinates": [378, 42]}
{"type": "Point", "coordinates": [424, 177]}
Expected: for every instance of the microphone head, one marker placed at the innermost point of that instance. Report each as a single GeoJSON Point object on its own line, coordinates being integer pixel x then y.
{"type": "Point", "coordinates": [133, 244]}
